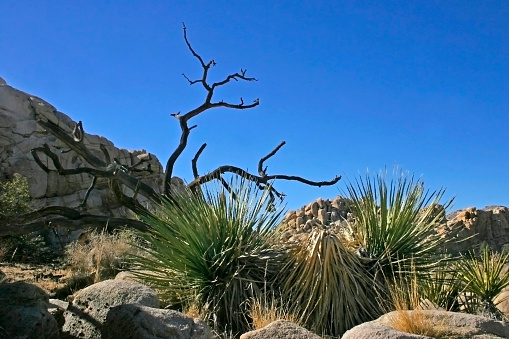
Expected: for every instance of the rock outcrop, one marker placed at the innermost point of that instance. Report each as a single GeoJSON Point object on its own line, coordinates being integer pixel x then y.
{"type": "Point", "coordinates": [489, 225]}
{"type": "Point", "coordinates": [441, 323]}
{"type": "Point", "coordinates": [322, 213]}
{"type": "Point", "coordinates": [20, 132]}
{"type": "Point", "coordinates": [87, 312]}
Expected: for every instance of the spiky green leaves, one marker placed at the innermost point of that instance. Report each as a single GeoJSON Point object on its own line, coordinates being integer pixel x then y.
{"type": "Point", "coordinates": [395, 222]}
{"type": "Point", "coordinates": [212, 249]}
{"type": "Point", "coordinates": [484, 276]}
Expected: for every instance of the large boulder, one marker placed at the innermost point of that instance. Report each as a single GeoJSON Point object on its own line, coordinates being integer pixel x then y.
{"type": "Point", "coordinates": [280, 329]}
{"type": "Point", "coordinates": [141, 322]}
{"type": "Point", "coordinates": [87, 312]}
{"type": "Point", "coordinates": [24, 312]}
{"type": "Point", "coordinates": [446, 324]}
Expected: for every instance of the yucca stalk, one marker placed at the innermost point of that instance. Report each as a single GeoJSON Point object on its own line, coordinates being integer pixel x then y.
{"type": "Point", "coordinates": [212, 249]}
{"type": "Point", "coordinates": [330, 289]}
{"type": "Point", "coordinates": [484, 278]}
{"type": "Point", "coordinates": [395, 223]}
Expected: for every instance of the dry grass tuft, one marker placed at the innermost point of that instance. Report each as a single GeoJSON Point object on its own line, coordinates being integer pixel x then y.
{"type": "Point", "coordinates": [419, 322]}
{"type": "Point", "coordinates": [409, 315]}
{"type": "Point", "coordinates": [264, 313]}
{"type": "Point", "coordinates": [101, 256]}
{"type": "Point", "coordinates": [194, 311]}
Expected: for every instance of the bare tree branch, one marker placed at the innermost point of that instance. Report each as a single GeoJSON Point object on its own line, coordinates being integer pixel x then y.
{"type": "Point", "coordinates": [208, 104]}
{"type": "Point", "coordinates": [195, 160]}
{"type": "Point", "coordinates": [87, 193]}
{"type": "Point", "coordinates": [120, 176]}
{"type": "Point", "coordinates": [67, 217]}
{"type": "Point", "coordinates": [261, 171]}
{"type": "Point", "coordinates": [262, 181]}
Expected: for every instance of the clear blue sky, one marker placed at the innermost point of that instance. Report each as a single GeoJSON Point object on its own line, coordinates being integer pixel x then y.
{"type": "Point", "coordinates": [349, 85]}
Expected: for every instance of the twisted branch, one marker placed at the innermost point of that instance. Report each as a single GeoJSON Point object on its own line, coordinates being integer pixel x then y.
{"type": "Point", "coordinates": [208, 104]}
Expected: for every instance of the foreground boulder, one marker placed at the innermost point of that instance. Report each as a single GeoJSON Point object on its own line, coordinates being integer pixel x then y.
{"type": "Point", "coordinates": [24, 312]}
{"type": "Point", "coordinates": [141, 322]}
{"type": "Point", "coordinates": [87, 312]}
{"type": "Point", "coordinates": [280, 329]}
{"type": "Point", "coordinates": [442, 324]}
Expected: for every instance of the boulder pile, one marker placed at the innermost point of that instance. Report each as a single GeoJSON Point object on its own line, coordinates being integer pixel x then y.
{"type": "Point", "coordinates": [489, 225]}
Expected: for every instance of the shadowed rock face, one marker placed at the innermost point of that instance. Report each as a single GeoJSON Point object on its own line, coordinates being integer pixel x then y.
{"type": "Point", "coordinates": [280, 329]}
{"type": "Point", "coordinates": [147, 322]}
{"type": "Point", "coordinates": [24, 312]}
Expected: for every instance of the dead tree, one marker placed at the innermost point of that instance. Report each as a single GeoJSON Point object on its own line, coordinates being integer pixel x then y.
{"type": "Point", "coordinates": [121, 176]}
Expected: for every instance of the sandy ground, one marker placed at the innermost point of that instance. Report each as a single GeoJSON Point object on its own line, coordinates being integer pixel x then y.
{"type": "Point", "coordinates": [50, 277]}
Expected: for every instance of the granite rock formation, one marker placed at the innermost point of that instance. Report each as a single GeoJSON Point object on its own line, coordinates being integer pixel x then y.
{"type": "Point", "coordinates": [489, 225]}
{"type": "Point", "coordinates": [19, 133]}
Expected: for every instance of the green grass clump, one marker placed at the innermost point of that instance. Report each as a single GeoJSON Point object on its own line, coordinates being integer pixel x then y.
{"type": "Point", "coordinates": [213, 250]}
{"type": "Point", "coordinates": [483, 278]}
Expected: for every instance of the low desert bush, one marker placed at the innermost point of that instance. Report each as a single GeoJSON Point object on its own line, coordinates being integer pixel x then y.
{"type": "Point", "coordinates": [14, 196]}
{"type": "Point", "coordinates": [14, 200]}
{"type": "Point", "coordinates": [101, 256]}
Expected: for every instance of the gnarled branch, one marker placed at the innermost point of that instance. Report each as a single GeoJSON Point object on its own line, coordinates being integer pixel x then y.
{"type": "Point", "coordinates": [208, 104]}
{"type": "Point", "coordinates": [120, 175]}
{"type": "Point", "coordinates": [53, 216]}
{"type": "Point", "coordinates": [262, 180]}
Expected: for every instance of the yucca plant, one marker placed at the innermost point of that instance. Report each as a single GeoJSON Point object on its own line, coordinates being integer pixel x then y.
{"type": "Point", "coordinates": [483, 277]}
{"type": "Point", "coordinates": [442, 287]}
{"type": "Point", "coordinates": [212, 249]}
{"type": "Point", "coordinates": [395, 223]}
{"type": "Point", "coordinates": [330, 289]}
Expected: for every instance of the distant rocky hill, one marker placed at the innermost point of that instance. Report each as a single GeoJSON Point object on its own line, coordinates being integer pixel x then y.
{"type": "Point", "coordinates": [19, 133]}
{"type": "Point", "coordinates": [490, 225]}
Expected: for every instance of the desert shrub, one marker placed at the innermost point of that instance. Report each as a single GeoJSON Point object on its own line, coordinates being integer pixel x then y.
{"type": "Point", "coordinates": [14, 196]}
{"type": "Point", "coordinates": [483, 278]}
{"type": "Point", "coordinates": [328, 285]}
{"type": "Point", "coordinates": [212, 249]}
{"type": "Point", "coordinates": [14, 200]}
{"type": "Point", "coordinates": [100, 257]}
